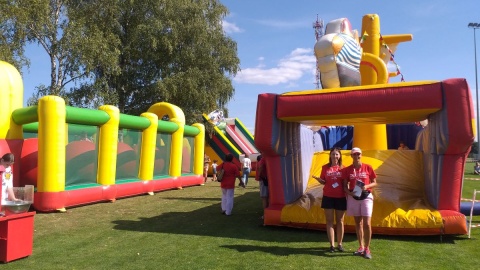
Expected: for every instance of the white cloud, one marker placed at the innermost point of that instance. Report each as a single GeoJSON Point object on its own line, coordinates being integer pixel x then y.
{"type": "Point", "coordinates": [261, 64]}
{"type": "Point", "coordinates": [288, 70]}
{"type": "Point", "coordinates": [230, 27]}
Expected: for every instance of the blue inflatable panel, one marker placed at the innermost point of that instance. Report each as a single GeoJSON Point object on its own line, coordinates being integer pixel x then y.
{"type": "Point", "coordinates": [466, 206]}
{"type": "Point", "coordinates": [402, 132]}
{"type": "Point", "coordinates": [341, 136]}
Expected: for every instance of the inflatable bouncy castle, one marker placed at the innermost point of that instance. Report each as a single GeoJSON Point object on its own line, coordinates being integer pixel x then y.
{"type": "Point", "coordinates": [75, 156]}
{"type": "Point", "coordinates": [418, 190]}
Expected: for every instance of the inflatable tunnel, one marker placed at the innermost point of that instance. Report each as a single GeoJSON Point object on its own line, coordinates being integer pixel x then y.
{"type": "Point", "coordinates": [76, 156]}
{"type": "Point", "coordinates": [418, 190]}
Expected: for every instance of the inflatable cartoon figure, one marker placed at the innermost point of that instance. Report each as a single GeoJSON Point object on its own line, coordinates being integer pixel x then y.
{"type": "Point", "coordinates": [338, 55]}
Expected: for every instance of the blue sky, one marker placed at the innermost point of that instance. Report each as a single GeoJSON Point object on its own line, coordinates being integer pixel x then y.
{"type": "Point", "coordinates": [275, 44]}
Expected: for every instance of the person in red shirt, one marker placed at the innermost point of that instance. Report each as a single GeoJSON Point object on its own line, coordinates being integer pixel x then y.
{"type": "Point", "coordinates": [261, 177]}
{"type": "Point", "coordinates": [334, 201]}
{"type": "Point", "coordinates": [231, 171]}
{"type": "Point", "coordinates": [359, 179]}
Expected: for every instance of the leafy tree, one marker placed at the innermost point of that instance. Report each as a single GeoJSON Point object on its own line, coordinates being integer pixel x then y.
{"type": "Point", "coordinates": [131, 54]}
{"type": "Point", "coordinates": [74, 50]}
{"type": "Point", "coordinates": [171, 50]}
{"type": "Point", "coordinates": [12, 42]}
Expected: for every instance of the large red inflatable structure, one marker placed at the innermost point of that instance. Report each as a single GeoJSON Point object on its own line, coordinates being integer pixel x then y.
{"type": "Point", "coordinates": [441, 149]}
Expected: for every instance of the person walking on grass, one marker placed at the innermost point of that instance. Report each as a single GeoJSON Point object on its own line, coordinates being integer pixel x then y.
{"type": "Point", "coordinates": [334, 201]}
{"type": "Point", "coordinates": [214, 170]}
{"type": "Point", "coordinates": [247, 167]}
{"type": "Point", "coordinates": [359, 179]}
{"type": "Point", "coordinates": [231, 171]}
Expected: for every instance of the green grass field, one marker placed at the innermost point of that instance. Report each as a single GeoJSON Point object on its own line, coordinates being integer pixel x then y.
{"type": "Point", "coordinates": [183, 229]}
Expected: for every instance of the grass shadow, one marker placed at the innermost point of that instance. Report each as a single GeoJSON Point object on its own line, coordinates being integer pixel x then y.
{"type": "Point", "coordinates": [244, 223]}
{"type": "Point", "coordinates": [430, 239]}
{"type": "Point", "coordinates": [286, 251]}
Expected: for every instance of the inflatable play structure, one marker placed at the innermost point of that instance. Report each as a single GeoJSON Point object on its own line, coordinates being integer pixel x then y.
{"type": "Point", "coordinates": [75, 156]}
{"type": "Point", "coordinates": [418, 190]}
{"type": "Point", "coordinates": [470, 207]}
{"type": "Point", "coordinates": [230, 136]}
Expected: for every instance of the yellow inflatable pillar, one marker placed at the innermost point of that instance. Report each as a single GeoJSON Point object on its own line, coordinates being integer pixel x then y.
{"type": "Point", "coordinates": [176, 148]}
{"type": "Point", "coordinates": [175, 115]}
{"type": "Point", "coordinates": [147, 150]}
{"type": "Point", "coordinates": [107, 146]}
{"type": "Point", "coordinates": [371, 136]}
{"type": "Point", "coordinates": [198, 149]}
{"type": "Point", "coordinates": [51, 144]}
{"type": "Point", "coordinates": [11, 89]}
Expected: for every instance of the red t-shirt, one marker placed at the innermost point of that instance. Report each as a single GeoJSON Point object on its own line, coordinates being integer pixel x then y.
{"type": "Point", "coordinates": [263, 173]}
{"type": "Point", "coordinates": [231, 172]}
{"type": "Point", "coordinates": [333, 181]}
{"type": "Point", "coordinates": [365, 173]}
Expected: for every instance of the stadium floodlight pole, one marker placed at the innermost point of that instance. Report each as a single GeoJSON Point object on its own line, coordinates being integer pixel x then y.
{"type": "Point", "coordinates": [476, 26]}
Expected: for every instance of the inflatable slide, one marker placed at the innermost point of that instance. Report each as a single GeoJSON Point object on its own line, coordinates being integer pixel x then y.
{"type": "Point", "coordinates": [230, 136]}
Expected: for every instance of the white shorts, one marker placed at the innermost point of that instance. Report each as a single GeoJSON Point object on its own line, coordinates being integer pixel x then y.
{"type": "Point", "coordinates": [363, 208]}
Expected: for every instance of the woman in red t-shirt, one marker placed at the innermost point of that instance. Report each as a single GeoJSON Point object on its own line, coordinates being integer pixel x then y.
{"type": "Point", "coordinates": [231, 171]}
{"type": "Point", "coordinates": [360, 178]}
{"type": "Point", "coordinates": [334, 202]}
